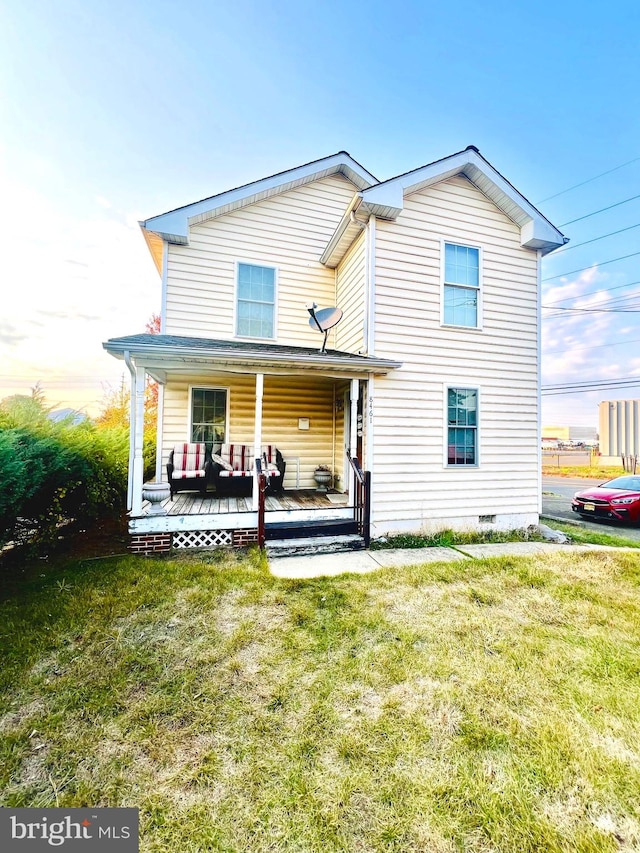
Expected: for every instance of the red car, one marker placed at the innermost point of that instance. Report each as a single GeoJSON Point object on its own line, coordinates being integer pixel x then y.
{"type": "Point", "coordinates": [615, 500]}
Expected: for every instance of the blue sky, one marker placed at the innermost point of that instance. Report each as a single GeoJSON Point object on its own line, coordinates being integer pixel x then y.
{"type": "Point", "coordinates": [115, 111]}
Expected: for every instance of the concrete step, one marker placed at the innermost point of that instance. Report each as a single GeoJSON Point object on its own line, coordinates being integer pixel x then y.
{"type": "Point", "coordinates": [313, 545]}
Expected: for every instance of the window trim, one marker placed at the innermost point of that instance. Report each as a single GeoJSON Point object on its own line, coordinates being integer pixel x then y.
{"type": "Point", "coordinates": [276, 277]}
{"type": "Point", "coordinates": [467, 386]}
{"type": "Point", "coordinates": [200, 387]}
{"type": "Point", "coordinates": [444, 241]}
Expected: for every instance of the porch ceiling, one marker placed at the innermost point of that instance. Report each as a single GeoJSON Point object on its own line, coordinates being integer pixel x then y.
{"type": "Point", "coordinates": [159, 353]}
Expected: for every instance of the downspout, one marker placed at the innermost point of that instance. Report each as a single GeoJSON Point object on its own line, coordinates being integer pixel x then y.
{"type": "Point", "coordinates": [371, 287]}
{"type": "Point", "coordinates": [163, 296]}
{"type": "Point", "coordinates": [539, 375]}
{"type": "Point", "coordinates": [132, 428]}
{"type": "Point", "coordinates": [364, 226]}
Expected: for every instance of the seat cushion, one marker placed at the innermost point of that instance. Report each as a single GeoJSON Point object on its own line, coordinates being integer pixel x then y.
{"type": "Point", "coordinates": [270, 453]}
{"type": "Point", "coordinates": [189, 459]}
{"type": "Point", "coordinates": [238, 457]}
{"type": "Point", "coordinates": [188, 475]}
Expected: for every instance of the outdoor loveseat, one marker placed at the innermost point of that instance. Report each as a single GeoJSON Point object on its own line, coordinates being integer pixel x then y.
{"type": "Point", "coordinates": [189, 468]}
{"type": "Point", "coordinates": [233, 469]}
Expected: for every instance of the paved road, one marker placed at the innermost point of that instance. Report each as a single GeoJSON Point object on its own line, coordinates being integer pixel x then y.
{"type": "Point", "coordinates": [556, 501]}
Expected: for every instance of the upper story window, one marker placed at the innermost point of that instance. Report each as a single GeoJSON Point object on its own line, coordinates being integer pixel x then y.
{"type": "Point", "coordinates": [256, 301]}
{"type": "Point", "coordinates": [461, 285]}
{"type": "Point", "coordinates": [208, 414]}
{"type": "Point", "coordinates": [462, 426]}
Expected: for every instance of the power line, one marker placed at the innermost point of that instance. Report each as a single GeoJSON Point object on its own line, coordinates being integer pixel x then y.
{"type": "Point", "coordinates": [594, 346]}
{"type": "Point", "coordinates": [594, 311]}
{"type": "Point", "coordinates": [585, 390]}
{"type": "Point", "coordinates": [589, 180]}
{"type": "Point", "coordinates": [553, 390]}
{"type": "Point", "coordinates": [601, 264]}
{"type": "Point", "coordinates": [592, 292]}
{"type": "Point", "coordinates": [595, 239]}
{"type": "Point", "coordinates": [589, 383]}
{"type": "Point", "coordinates": [602, 210]}
{"type": "Point", "coordinates": [620, 304]}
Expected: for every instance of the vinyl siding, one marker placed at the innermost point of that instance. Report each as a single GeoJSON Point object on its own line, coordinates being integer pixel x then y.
{"type": "Point", "coordinates": [288, 232]}
{"type": "Point", "coordinates": [411, 479]}
{"type": "Point", "coordinates": [285, 400]}
{"type": "Point", "coordinates": [350, 297]}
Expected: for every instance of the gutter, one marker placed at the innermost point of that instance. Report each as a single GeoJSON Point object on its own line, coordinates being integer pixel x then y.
{"type": "Point", "coordinates": [295, 360]}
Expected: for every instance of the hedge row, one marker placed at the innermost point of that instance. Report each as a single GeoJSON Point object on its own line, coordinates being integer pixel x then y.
{"type": "Point", "coordinates": [53, 472]}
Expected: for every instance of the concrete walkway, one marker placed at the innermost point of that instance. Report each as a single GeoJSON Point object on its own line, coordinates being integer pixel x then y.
{"type": "Point", "coordinates": [361, 562]}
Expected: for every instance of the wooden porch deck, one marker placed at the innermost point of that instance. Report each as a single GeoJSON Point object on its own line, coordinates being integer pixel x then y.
{"type": "Point", "coordinates": [191, 503]}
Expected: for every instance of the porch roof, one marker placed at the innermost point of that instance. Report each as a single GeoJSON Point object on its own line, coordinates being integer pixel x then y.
{"type": "Point", "coordinates": [166, 351]}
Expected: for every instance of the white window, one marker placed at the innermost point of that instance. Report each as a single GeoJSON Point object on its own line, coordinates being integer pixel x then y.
{"type": "Point", "coordinates": [462, 426]}
{"type": "Point", "coordinates": [208, 414]}
{"type": "Point", "coordinates": [256, 301]}
{"type": "Point", "coordinates": [461, 291]}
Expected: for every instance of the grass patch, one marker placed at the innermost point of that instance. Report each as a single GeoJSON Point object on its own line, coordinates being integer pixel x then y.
{"type": "Point", "coordinates": [589, 472]}
{"type": "Point", "coordinates": [448, 538]}
{"type": "Point", "coordinates": [585, 536]}
{"type": "Point", "coordinates": [478, 705]}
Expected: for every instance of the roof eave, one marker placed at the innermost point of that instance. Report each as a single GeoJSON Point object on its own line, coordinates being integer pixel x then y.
{"type": "Point", "coordinates": [173, 226]}
{"type": "Point", "coordinates": [386, 199]}
{"type": "Point", "coordinates": [153, 353]}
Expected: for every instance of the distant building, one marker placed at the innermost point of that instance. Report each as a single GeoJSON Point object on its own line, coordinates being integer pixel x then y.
{"type": "Point", "coordinates": [554, 436]}
{"type": "Point", "coordinates": [620, 427]}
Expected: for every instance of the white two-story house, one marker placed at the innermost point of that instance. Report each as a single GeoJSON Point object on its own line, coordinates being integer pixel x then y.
{"type": "Point", "coordinates": [430, 380]}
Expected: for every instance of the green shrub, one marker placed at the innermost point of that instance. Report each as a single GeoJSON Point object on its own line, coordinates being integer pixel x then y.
{"type": "Point", "coordinates": [53, 472]}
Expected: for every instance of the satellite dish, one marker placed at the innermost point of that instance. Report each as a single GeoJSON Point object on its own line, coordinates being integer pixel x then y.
{"type": "Point", "coordinates": [324, 320]}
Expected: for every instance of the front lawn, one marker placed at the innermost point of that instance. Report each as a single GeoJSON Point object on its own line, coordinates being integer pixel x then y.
{"type": "Point", "coordinates": [489, 705]}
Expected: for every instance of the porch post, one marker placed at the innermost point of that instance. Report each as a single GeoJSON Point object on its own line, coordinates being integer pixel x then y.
{"type": "Point", "coordinates": [257, 436]}
{"type": "Point", "coordinates": [159, 475]}
{"type": "Point", "coordinates": [138, 461]}
{"type": "Point", "coordinates": [132, 427]}
{"type": "Point", "coordinates": [354, 392]}
{"type": "Point", "coordinates": [367, 422]}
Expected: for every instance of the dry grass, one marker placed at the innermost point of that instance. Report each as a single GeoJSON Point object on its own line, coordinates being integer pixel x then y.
{"type": "Point", "coordinates": [589, 472]}
{"type": "Point", "coordinates": [489, 705]}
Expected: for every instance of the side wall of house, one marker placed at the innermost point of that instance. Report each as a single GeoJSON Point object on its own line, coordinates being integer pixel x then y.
{"type": "Point", "coordinates": [350, 297]}
{"type": "Point", "coordinates": [288, 232]}
{"type": "Point", "coordinates": [413, 486]}
{"type": "Point", "coordinates": [285, 400]}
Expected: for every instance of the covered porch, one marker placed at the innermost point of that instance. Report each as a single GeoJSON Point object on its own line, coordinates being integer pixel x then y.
{"type": "Point", "coordinates": [294, 500]}
{"type": "Point", "coordinates": [316, 407]}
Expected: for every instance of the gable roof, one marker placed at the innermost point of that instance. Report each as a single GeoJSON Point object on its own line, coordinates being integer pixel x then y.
{"type": "Point", "coordinates": [383, 199]}
{"type": "Point", "coordinates": [173, 226]}
{"type": "Point", "coordinates": [386, 201]}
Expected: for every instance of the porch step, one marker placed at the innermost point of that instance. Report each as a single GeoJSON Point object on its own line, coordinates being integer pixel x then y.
{"type": "Point", "coordinates": [314, 545]}
{"type": "Point", "coordinates": [305, 530]}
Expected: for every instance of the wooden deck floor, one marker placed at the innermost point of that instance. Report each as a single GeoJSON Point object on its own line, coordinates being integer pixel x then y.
{"type": "Point", "coordinates": [191, 503]}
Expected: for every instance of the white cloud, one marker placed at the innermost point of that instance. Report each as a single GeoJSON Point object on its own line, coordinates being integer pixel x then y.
{"type": "Point", "coordinates": [73, 282]}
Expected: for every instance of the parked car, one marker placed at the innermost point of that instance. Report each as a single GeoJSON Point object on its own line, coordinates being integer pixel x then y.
{"type": "Point", "coordinates": [615, 500]}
